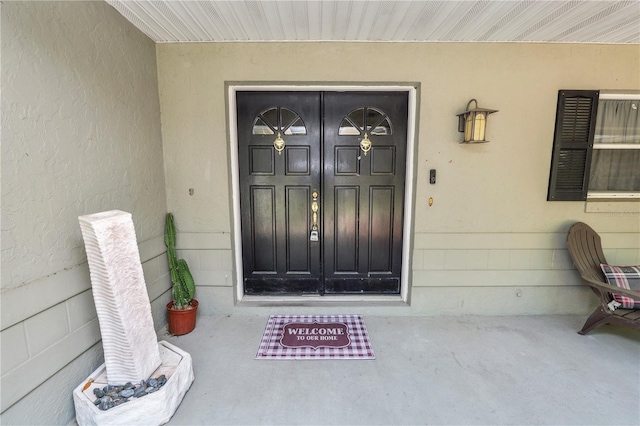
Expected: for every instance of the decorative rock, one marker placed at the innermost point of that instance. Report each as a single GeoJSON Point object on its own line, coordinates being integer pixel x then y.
{"type": "Point", "coordinates": [113, 395]}
{"type": "Point", "coordinates": [139, 391]}
{"type": "Point", "coordinates": [120, 401]}
{"type": "Point", "coordinates": [162, 380]}
{"type": "Point", "coordinates": [105, 403]}
{"type": "Point", "coordinates": [127, 393]}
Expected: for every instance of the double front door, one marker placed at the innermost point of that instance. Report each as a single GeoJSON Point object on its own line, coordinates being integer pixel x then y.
{"type": "Point", "coordinates": [322, 191]}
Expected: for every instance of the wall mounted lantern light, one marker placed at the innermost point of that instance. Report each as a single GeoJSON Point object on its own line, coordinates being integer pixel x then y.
{"type": "Point", "coordinates": [473, 122]}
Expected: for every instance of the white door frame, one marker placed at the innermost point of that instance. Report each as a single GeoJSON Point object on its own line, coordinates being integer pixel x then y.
{"type": "Point", "coordinates": [412, 90]}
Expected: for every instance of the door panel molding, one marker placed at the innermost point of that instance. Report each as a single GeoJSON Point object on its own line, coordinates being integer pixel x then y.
{"type": "Point", "coordinates": [387, 285]}
{"type": "Point", "coordinates": [298, 226]}
{"type": "Point", "coordinates": [263, 230]}
{"type": "Point", "coordinates": [381, 227]}
{"type": "Point", "coordinates": [346, 231]}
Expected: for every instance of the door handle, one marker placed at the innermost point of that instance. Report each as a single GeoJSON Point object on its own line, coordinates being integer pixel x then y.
{"type": "Point", "coordinates": [314, 209]}
{"type": "Point", "coordinates": [314, 217]}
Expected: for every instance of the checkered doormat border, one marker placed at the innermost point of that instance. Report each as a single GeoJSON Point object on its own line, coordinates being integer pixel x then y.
{"type": "Point", "coordinates": [359, 346]}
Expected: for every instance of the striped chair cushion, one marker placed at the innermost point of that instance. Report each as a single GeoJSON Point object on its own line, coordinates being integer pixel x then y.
{"type": "Point", "coordinates": [624, 277]}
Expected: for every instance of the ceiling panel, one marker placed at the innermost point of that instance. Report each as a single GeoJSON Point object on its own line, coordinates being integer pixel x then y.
{"type": "Point", "coordinates": [555, 21]}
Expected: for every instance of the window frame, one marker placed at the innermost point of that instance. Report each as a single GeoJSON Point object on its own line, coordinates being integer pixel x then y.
{"type": "Point", "coordinates": [626, 195]}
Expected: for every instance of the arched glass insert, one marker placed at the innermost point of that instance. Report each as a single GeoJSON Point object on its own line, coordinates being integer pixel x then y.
{"type": "Point", "coordinates": [278, 119]}
{"type": "Point", "coordinates": [260, 127]}
{"type": "Point", "coordinates": [365, 120]}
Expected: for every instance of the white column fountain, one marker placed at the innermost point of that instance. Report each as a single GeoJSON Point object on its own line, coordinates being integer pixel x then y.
{"type": "Point", "coordinates": [131, 350]}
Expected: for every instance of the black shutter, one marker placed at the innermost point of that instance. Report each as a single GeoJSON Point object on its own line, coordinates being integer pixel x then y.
{"type": "Point", "coordinates": [572, 145]}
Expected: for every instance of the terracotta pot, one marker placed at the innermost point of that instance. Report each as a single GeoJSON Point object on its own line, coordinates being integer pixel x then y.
{"type": "Point", "coordinates": [182, 321]}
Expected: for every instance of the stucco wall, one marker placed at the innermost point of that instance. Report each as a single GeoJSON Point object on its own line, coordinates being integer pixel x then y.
{"type": "Point", "coordinates": [80, 134]}
{"type": "Point", "coordinates": [490, 243]}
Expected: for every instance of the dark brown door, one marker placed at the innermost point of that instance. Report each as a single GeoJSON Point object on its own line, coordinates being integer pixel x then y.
{"type": "Point", "coordinates": [321, 210]}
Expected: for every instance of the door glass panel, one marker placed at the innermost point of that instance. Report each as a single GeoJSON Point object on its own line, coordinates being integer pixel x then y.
{"type": "Point", "coordinates": [261, 128]}
{"type": "Point", "coordinates": [347, 129]}
{"type": "Point", "coordinates": [297, 128]}
{"type": "Point", "coordinates": [286, 117]}
{"type": "Point", "coordinates": [377, 123]}
{"type": "Point", "coordinates": [382, 128]}
{"type": "Point", "coordinates": [357, 118]}
{"type": "Point", "coordinates": [373, 118]}
{"type": "Point", "coordinates": [271, 117]}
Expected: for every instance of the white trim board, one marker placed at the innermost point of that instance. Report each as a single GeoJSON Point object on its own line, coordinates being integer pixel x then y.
{"type": "Point", "coordinates": [411, 88]}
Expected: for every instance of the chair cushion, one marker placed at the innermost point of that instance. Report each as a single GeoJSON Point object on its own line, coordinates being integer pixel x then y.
{"type": "Point", "coordinates": [624, 277]}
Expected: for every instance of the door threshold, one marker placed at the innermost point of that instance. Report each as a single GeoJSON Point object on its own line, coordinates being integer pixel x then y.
{"type": "Point", "coordinates": [326, 300]}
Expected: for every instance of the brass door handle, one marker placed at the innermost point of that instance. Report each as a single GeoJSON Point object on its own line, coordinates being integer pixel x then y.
{"type": "Point", "coordinates": [314, 217]}
{"type": "Point", "coordinates": [314, 209]}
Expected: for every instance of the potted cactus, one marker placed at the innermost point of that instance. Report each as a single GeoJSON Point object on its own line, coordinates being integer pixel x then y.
{"type": "Point", "coordinates": [181, 311]}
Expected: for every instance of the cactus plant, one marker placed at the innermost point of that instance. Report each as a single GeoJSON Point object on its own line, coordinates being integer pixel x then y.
{"type": "Point", "coordinates": [183, 288]}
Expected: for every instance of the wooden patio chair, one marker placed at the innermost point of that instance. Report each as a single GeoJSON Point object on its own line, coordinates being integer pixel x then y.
{"type": "Point", "coordinates": [585, 250]}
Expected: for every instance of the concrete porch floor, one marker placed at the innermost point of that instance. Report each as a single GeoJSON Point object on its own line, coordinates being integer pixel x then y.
{"type": "Point", "coordinates": [428, 370]}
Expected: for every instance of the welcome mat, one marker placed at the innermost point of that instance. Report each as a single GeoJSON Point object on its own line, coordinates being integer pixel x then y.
{"type": "Point", "coordinates": [315, 337]}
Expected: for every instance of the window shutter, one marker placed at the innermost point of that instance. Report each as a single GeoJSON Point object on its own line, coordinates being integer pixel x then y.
{"type": "Point", "coordinates": [572, 145]}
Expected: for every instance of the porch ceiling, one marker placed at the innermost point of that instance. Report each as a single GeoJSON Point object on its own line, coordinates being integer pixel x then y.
{"type": "Point", "coordinates": [555, 21]}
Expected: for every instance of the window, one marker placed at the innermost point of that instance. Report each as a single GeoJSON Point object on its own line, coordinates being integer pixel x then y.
{"type": "Point", "coordinates": [596, 150]}
{"type": "Point", "coordinates": [278, 119]}
{"type": "Point", "coordinates": [374, 121]}
{"type": "Point", "coordinates": [615, 161]}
